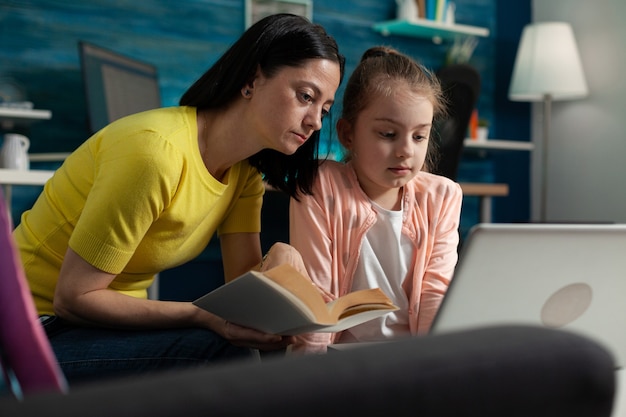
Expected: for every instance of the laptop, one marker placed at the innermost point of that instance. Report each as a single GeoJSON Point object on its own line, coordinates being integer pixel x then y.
{"type": "Point", "coordinates": [565, 276]}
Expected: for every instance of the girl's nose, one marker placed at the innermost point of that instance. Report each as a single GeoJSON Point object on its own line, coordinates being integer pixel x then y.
{"type": "Point", "coordinates": [405, 148]}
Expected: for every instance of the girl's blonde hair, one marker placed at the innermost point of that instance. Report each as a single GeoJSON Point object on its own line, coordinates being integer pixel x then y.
{"type": "Point", "coordinates": [378, 73]}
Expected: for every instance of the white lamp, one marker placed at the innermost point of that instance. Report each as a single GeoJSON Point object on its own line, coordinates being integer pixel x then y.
{"type": "Point", "coordinates": [547, 67]}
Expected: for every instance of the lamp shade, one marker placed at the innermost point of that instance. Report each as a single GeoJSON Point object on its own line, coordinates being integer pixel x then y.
{"type": "Point", "coordinates": [547, 63]}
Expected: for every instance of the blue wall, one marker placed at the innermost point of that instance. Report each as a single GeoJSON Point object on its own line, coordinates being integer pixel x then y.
{"type": "Point", "coordinates": [39, 46]}
{"type": "Point", "coordinates": [38, 49]}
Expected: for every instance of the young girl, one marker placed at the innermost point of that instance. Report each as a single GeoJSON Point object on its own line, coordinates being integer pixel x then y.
{"type": "Point", "coordinates": [147, 193]}
{"type": "Point", "coordinates": [380, 219]}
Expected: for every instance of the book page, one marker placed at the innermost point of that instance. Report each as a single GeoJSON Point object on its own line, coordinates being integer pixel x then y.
{"type": "Point", "coordinates": [358, 301]}
{"type": "Point", "coordinates": [289, 278]}
{"type": "Point", "coordinates": [354, 320]}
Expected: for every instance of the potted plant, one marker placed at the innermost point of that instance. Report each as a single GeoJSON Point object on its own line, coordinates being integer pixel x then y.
{"type": "Point", "coordinates": [482, 132]}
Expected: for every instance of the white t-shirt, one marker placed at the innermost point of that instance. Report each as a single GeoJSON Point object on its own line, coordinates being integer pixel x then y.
{"type": "Point", "coordinates": [383, 263]}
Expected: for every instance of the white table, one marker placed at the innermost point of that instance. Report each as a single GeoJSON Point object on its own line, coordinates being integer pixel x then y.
{"type": "Point", "coordinates": [28, 177]}
{"type": "Point", "coordinates": [36, 177]}
{"type": "Point", "coordinates": [9, 118]}
{"type": "Point", "coordinates": [10, 177]}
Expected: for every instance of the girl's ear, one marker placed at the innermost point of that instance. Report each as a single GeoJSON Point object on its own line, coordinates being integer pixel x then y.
{"type": "Point", "coordinates": [344, 133]}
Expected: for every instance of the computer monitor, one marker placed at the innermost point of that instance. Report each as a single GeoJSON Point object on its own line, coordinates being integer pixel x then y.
{"type": "Point", "coordinates": [116, 85]}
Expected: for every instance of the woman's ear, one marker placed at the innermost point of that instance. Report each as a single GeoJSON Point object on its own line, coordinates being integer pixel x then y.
{"type": "Point", "coordinates": [344, 133]}
{"type": "Point", "coordinates": [248, 89]}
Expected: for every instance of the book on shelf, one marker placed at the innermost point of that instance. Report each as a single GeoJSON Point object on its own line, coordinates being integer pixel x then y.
{"type": "Point", "coordinates": [435, 10]}
{"type": "Point", "coordinates": [440, 15]}
{"type": "Point", "coordinates": [431, 9]}
{"type": "Point", "coordinates": [421, 9]}
{"type": "Point", "coordinates": [283, 301]}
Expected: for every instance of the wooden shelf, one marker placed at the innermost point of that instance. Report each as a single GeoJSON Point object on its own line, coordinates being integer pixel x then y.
{"type": "Point", "coordinates": [423, 28]}
{"type": "Point", "coordinates": [497, 144]}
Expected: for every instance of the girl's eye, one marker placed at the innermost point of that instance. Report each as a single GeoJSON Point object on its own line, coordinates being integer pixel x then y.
{"type": "Point", "coordinates": [388, 135]}
{"type": "Point", "coordinates": [419, 138]}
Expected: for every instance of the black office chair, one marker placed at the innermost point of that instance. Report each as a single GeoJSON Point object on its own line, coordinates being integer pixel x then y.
{"type": "Point", "coordinates": [461, 86]}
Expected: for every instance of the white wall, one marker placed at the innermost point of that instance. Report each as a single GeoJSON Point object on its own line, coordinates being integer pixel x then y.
{"type": "Point", "coordinates": [587, 146]}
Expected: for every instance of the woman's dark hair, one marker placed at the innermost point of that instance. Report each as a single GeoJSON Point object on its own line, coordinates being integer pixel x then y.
{"type": "Point", "coordinates": [378, 73]}
{"type": "Point", "coordinates": [274, 42]}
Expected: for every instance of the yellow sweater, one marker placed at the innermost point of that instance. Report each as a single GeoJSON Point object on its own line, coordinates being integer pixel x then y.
{"type": "Point", "coordinates": [133, 200]}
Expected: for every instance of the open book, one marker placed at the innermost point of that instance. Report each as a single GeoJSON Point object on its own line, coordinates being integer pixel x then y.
{"type": "Point", "coordinates": [283, 301]}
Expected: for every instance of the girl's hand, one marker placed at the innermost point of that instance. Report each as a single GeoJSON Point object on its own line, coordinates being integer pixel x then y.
{"type": "Point", "coordinates": [282, 253]}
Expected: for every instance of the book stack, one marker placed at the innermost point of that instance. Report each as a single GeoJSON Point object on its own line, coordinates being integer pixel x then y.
{"type": "Point", "coordinates": [435, 10]}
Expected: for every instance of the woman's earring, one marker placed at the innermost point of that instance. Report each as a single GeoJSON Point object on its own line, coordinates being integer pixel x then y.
{"type": "Point", "coordinates": [246, 93]}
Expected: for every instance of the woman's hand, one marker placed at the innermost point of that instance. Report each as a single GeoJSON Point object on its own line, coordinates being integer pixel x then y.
{"type": "Point", "coordinates": [244, 336]}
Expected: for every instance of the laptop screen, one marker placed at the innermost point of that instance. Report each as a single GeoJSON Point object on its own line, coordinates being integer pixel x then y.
{"type": "Point", "coordinates": [571, 277]}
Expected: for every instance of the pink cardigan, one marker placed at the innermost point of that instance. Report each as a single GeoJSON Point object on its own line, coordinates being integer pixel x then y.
{"type": "Point", "coordinates": [328, 228]}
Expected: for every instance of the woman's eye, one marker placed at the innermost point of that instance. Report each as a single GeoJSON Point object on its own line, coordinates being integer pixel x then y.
{"type": "Point", "coordinates": [306, 97]}
{"type": "Point", "coordinates": [325, 112]}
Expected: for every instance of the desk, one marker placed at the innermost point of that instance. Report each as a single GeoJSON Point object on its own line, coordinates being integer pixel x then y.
{"type": "Point", "coordinates": [26, 177]}
{"type": "Point", "coordinates": [498, 145]}
{"type": "Point", "coordinates": [485, 192]}
{"type": "Point", "coordinates": [10, 177]}
{"type": "Point", "coordinates": [9, 118]}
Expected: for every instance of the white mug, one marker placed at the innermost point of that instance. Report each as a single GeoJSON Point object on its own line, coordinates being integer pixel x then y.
{"type": "Point", "coordinates": [14, 152]}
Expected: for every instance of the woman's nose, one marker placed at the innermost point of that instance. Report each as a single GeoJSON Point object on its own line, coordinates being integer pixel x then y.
{"type": "Point", "coordinates": [314, 119]}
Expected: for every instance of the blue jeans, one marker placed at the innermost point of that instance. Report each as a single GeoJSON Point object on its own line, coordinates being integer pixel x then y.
{"type": "Point", "coordinates": [87, 353]}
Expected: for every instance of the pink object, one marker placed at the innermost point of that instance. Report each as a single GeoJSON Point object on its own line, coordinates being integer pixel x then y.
{"type": "Point", "coordinates": [25, 346]}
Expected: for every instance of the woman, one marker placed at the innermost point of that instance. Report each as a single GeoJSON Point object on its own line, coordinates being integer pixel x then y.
{"type": "Point", "coordinates": [147, 192]}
